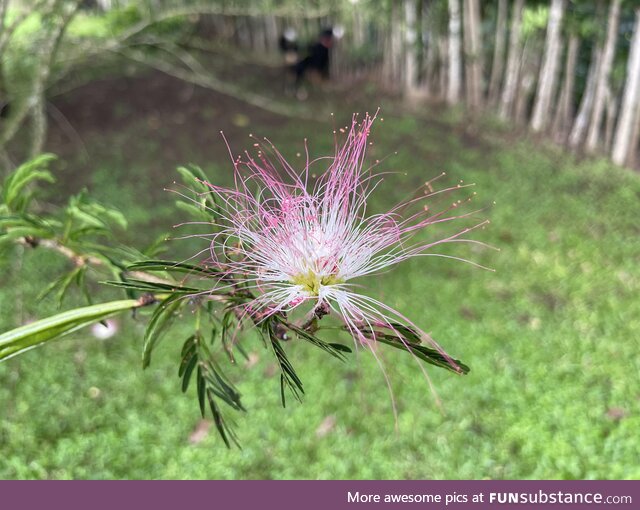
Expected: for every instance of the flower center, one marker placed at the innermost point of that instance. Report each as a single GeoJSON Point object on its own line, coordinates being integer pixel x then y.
{"type": "Point", "coordinates": [311, 282]}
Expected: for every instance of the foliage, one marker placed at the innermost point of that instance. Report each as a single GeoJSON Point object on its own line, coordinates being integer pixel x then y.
{"type": "Point", "coordinates": [553, 336]}
{"type": "Point", "coordinates": [184, 292]}
{"type": "Point", "coordinates": [534, 20]}
{"type": "Point", "coordinates": [20, 340]}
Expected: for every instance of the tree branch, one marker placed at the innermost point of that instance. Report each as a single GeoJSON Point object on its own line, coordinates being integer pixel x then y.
{"type": "Point", "coordinates": [211, 82]}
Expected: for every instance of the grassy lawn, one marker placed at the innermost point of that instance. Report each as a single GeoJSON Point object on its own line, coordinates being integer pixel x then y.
{"type": "Point", "coordinates": [552, 337]}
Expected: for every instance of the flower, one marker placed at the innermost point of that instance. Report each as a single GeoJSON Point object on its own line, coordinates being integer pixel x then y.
{"type": "Point", "coordinates": [291, 238]}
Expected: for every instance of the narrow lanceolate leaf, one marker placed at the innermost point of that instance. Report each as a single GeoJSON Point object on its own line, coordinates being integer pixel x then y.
{"type": "Point", "coordinates": [170, 266]}
{"type": "Point", "coordinates": [153, 287]}
{"type": "Point", "coordinates": [26, 337]}
{"type": "Point", "coordinates": [431, 356]}
{"type": "Point", "coordinates": [188, 362]}
{"type": "Point", "coordinates": [336, 350]}
{"type": "Point", "coordinates": [224, 430]}
{"type": "Point", "coordinates": [62, 284]}
{"type": "Point", "coordinates": [15, 184]}
{"type": "Point", "coordinates": [158, 324]}
{"type": "Point", "coordinates": [288, 376]}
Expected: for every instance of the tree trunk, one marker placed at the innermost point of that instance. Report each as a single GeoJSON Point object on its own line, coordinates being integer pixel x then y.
{"type": "Point", "coordinates": [632, 159]}
{"type": "Point", "coordinates": [455, 54]}
{"type": "Point", "coordinates": [549, 70]}
{"type": "Point", "coordinates": [357, 27]}
{"type": "Point", "coordinates": [497, 66]}
{"type": "Point", "coordinates": [564, 110]}
{"type": "Point", "coordinates": [586, 103]}
{"type": "Point", "coordinates": [410, 76]}
{"type": "Point", "coordinates": [623, 144]}
{"type": "Point", "coordinates": [258, 37]}
{"type": "Point", "coordinates": [394, 67]}
{"type": "Point", "coordinates": [35, 103]}
{"type": "Point", "coordinates": [530, 64]}
{"type": "Point", "coordinates": [611, 111]}
{"type": "Point", "coordinates": [430, 54]}
{"type": "Point", "coordinates": [243, 32]}
{"type": "Point", "coordinates": [473, 53]}
{"type": "Point", "coordinates": [602, 84]}
{"type": "Point", "coordinates": [513, 62]}
{"type": "Point", "coordinates": [271, 32]}
{"type": "Point", "coordinates": [443, 45]}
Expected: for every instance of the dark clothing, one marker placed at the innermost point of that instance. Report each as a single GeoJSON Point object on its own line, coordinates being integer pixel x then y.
{"type": "Point", "coordinates": [318, 60]}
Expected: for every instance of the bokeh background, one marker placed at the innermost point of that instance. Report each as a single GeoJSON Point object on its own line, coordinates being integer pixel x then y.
{"type": "Point", "coordinates": [536, 102]}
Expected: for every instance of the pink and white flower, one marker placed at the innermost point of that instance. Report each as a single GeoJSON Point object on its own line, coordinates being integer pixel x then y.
{"type": "Point", "coordinates": [293, 238]}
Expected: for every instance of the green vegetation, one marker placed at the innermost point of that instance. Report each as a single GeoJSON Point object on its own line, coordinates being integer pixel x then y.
{"type": "Point", "coordinates": [551, 337]}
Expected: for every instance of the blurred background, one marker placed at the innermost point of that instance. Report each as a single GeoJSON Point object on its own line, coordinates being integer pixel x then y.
{"type": "Point", "coordinates": [536, 102]}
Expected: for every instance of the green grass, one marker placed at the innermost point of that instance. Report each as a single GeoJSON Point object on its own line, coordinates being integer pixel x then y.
{"type": "Point", "coordinates": [552, 338]}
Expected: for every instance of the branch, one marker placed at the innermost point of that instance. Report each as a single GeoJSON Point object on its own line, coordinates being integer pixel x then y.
{"type": "Point", "coordinates": [35, 100]}
{"type": "Point", "coordinates": [39, 109]}
{"type": "Point", "coordinates": [218, 10]}
{"type": "Point", "coordinates": [80, 260]}
{"type": "Point", "coordinates": [210, 82]}
{"type": "Point", "coordinates": [52, 244]}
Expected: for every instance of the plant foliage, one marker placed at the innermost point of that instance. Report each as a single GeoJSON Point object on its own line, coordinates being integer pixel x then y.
{"type": "Point", "coordinates": [83, 232]}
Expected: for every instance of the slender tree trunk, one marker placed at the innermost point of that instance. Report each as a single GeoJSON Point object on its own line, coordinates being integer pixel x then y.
{"type": "Point", "coordinates": [530, 64]}
{"type": "Point", "coordinates": [243, 32]}
{"type": "Point", "coordinates": [497, 66]}
{"type": "Point", "coordinates": [455, 53]}
{"type": "Point", "coordinates": [549, 70]}
{"type": "Point", "coordinates": [473, 54]}
{"type": "Point", "coordinates": [4, 4]}
{"type": "Point", "coordinates": [611, 111]}
{"type": "Point", "coordinates": [216, 23]}
{"type": "Point", "coordinates": [586, 103]}
{"type": "Point", "coordinates": [395, 46]}
{"type": "Point", "coordinates": [513, 62]}
{"type": "Point", "coordinates": [430, 76]}
{"type": "Point", "coordinates": [443, 44]}
{"type": "Point", "coordinates": [420, 44]}
{"type": "Point", "coordinates": [602, 84]}
{"type": "Point", "coordinates": [564, 109]}
{"type": "Point", "coordinates": [410, 58]}
{"type": "Point", "coordinates": [258, 38]}
{"type": "Point", "coordinates": [632, 159]}
{"type": "Point", "coordinates": [623, 142]}
{"type": "Point", "coordinates": [358, 28]}
{"type": "Point", "coordinates": [39, 113]}
{"type": "Point", "coordinates": [271, 32]}
{"type": "Point", "coordinates": [35, 103]}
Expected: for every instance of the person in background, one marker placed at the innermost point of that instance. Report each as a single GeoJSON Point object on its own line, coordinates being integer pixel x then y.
{"type": "Point", "coordinates": [317, 60]}
{"type": "Point", "coordinates": [288, 44]}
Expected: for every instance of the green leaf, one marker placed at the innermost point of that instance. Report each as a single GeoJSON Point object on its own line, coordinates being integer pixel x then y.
{"type": "Point", "coordinates": [426, 354]}
{"type": "Point", "coordinates": [202, 386]}
{"type": "Point", "coordinates": [156, 247]}
{"type": "Point", "coordinates": [223, 429]}
{"type": "Point", "coordinates": [288, 378]}
{"type": "Point", "coordinates": [147, 286]}
{"type": "Point", "coordinates": [189, 359]}
{"type": "Point", "coordinates": [222, 387]}
{"type": "Point", "coordinates": [14, 185]}
{"type": "Point", "coordinates": [90, 213]}
{"type": "Point", "coordinates": [63, 283]}
{"type": "Point", "coordinates": [20, 232]}
{"type": "Point", "coordinates": [158, 324]}
{"type": "Point", "coordinates": [204, 202]}
{"type": "Point", "coordinates": [26, 337]}
{"type": "Point", "coordinates": [170, 266]}
{"type": "Point", "coordinates": [335, 350]}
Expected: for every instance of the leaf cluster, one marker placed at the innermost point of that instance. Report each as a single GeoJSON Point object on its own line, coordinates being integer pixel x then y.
{"type": "Point", "coordinates": [200, 297]}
